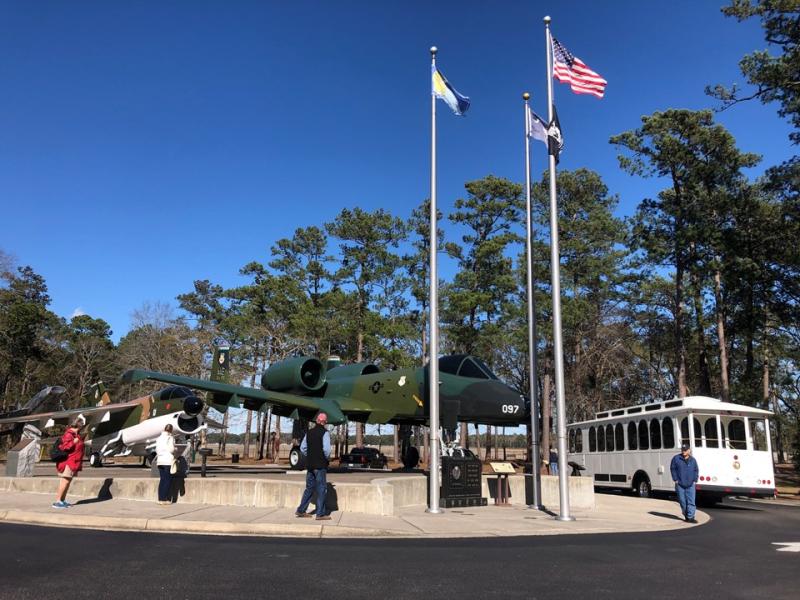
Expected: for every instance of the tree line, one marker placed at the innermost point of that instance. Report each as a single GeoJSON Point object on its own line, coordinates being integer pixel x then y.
{"type": "Point", "coordinates": [695, 293]}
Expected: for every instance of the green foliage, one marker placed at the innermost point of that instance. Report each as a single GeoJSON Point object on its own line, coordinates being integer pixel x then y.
{"type": "Point", "coordinates": [474, 301]}
{"type": "Point", "coordinates": [775, 76]}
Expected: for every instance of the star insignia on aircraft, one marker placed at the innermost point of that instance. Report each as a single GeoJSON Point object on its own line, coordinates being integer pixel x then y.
{"type": "Point", "coordinates": [376, 387]}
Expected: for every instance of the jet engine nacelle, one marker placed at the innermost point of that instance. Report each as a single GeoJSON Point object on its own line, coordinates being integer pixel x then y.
{"type": "Point", "coordinates": [300, 375]}
{"type": "Point", "coordinates": [353, 371]}
{"type": "Point", "coordinates": [151, 428]}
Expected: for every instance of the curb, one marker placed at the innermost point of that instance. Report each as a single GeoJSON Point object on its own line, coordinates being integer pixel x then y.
{"type": "Point", "coordinates": [282, 530]}
{"type": "Point", "coordinates": [194, 527]}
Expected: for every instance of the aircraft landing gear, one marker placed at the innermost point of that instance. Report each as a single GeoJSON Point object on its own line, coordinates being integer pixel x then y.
{"type": "Point", "coordinates": [408, 453]}
{"type": "Point", "coordinates": [95, 459]}
{"type": "Point", "coordinates": [297, 462]}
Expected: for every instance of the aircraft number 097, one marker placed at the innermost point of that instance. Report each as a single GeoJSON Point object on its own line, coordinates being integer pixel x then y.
{"type": "Point", "coordinates": [510, 409]}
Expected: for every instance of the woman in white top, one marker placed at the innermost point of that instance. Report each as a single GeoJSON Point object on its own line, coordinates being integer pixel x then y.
{"type": "Point", "coordinates": [165, 456]}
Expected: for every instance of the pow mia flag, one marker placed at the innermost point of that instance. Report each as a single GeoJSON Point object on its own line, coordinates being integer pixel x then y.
{"type": "Point", "coordinates": [548, 134]}
{"type": "Point", "coordinates": [555, 141]}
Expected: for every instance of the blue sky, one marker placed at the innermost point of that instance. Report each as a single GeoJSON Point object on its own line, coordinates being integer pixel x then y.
{"type": "Point", "coordinates": [146, 145]}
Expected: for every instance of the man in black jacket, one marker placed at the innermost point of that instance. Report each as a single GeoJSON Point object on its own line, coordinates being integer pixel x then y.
{"type": "Point", "coordinates": [316, 447]}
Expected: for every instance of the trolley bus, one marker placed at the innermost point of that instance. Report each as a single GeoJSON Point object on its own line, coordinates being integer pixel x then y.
{"type": "Point", "coordinates": [631, 448]}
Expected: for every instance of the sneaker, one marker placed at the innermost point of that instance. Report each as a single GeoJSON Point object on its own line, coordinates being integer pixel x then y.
{"type": "Point", "coordinates": [60, 504]}
{"type": "Point", "coordinates": [692, 520]}
{"type": "Point", "coordinates": [303, 515]}
{"type": "Point", "coordinates": [323, 518]}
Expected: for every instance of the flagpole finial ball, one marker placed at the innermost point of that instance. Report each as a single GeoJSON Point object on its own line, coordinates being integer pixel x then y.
{"type": "Point", "coordinates": [547, 20]}
{"type": "Point", "coordinates": [434, 50]}
{"type": "Point", "coordinates": [526, 96]}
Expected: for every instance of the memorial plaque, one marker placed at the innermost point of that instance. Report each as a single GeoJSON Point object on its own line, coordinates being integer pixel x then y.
{"type": "Point", "coordinates": [461, 482]}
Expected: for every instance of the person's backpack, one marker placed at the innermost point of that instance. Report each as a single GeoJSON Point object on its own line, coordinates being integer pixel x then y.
{"type": "Point", "coordinates": [56, 453]}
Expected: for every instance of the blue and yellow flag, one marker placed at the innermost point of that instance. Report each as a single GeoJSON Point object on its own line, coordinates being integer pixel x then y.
{"type": "Point", "coordinates": [442, 89]}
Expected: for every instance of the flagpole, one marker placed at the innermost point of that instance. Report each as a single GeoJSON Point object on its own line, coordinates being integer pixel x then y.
{"type": "Point", "coordinates": [433, 352]}
{"type": "Point", "coordinates": [555, 264]}
{"type": "Point", "coordinates": [536, 485]}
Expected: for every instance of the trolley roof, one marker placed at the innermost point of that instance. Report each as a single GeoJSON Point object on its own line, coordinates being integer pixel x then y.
{"type": "Point", "coordinates": [689, 403]}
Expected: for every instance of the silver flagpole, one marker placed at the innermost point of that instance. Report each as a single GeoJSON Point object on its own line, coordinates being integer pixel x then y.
{"type": "Point", "coordinates": [536, 485]}
{"type": "Point", "coordinates": [433, 352]}
{"type": "Point", "coordinates": [555, 263]}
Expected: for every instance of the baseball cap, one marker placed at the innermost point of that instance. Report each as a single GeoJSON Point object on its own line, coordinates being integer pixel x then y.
{"type": "Point", "coordinates": [684, 447]}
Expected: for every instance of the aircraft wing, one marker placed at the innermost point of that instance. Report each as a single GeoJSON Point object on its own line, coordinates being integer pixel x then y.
{"type": "Point", "coordinates": [251, 398]}
{"type": "Point", "coordinates": [92, 415]}
{"type": "Point", "coordinates": [212, 424]}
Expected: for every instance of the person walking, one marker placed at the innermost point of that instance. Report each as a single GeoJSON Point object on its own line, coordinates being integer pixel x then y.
{"type": "Point", "coordinates": [165, 459]}
{"type": "Point", "coordinates": [316, 447]}
{"type": "Point", "coordinates": [685, 471]}
{"type": "Point", "coordinates": [71, 442]}
{"type": "Point", "coordinates": [553, 461]}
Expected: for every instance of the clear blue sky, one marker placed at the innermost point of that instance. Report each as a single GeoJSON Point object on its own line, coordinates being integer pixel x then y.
{"type": "Point", "coordinates": [145, 145]}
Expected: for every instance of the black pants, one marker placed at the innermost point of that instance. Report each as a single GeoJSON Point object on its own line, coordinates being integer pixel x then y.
{"type": "Point", "coordinates": [165, 483]}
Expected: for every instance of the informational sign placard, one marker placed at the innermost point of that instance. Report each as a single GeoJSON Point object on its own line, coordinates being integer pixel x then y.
{"type": "Point", "coordinates": [503, 467]}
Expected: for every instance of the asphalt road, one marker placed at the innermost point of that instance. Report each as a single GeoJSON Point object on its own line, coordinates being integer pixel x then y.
{"type": "Point", "coordinates": [731, 557]}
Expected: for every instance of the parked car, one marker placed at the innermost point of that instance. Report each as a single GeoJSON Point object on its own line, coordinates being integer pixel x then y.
{"type": "Point", "coordinates": [363, 458]}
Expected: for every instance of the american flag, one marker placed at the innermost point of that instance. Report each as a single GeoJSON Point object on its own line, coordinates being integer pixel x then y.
{"type": "Point", "coordinates": [568, 68]}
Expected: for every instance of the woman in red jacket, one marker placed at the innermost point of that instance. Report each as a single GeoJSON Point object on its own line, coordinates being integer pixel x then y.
{"type": "Point", "coordinates": [71, 442]}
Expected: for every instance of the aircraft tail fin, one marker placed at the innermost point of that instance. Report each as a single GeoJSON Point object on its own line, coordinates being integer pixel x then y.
{"type": "Point", "coordinates": [220, 371]}
{"type": "Point", "coordinates": [99, 394]}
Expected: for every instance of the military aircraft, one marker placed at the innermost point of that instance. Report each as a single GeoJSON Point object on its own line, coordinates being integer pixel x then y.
{"type": "Point", "coordinates": [301, 387]}
{"type": "Point", "coordinates": [130, 428]}
{"type": "Point", "coordinates": [127, 428]}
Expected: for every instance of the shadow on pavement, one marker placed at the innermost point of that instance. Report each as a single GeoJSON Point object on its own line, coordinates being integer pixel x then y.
{"type": "Point", "coordinates": [664, 515]}
{"type": "Point", "coordinates": [102, 495]}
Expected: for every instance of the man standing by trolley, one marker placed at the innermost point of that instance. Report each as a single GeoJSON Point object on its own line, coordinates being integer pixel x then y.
{"type": "Point", "coordinates": [685, 471]}
{"type": "Point", "coordinates": [316, 447]}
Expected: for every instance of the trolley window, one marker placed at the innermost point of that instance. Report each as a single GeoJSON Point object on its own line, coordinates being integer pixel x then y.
{"type": "Point", "coordinates": [632, 436]}
{"type": "Point", "coordinates": [619, 437]}
{"type": "Point", "coordinates": [712, 434]}
{"type": "Point", "coordinates": [578, 440]}
{"type": "Point", "coordinates": [592, 440]}
{"type": "Point", "coordinates": [758, 433]}
{"type": "Point", "coordinates": [601, 439]}
{"type": "Point", "coordinates": [736, 435]}
{"type": "Point", "coordinates": [609, 438]}
{"type": "Point", "coordinates": [655, 434]}
{"type": "Point", "coordinates": [668, 433]}
{"type": "Point", "coordinates": [644, 438]}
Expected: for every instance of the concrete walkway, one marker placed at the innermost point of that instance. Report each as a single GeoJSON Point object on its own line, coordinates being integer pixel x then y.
{"type": "Point", "coordinates": [611, 514]}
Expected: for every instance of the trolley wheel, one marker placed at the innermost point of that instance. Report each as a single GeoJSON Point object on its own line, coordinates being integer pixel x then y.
{"type": "Point", "coordinates": [642, 487]}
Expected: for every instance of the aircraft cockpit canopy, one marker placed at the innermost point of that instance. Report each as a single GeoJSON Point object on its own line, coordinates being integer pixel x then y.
{"type": "Point", "coordinates": [465, 365]}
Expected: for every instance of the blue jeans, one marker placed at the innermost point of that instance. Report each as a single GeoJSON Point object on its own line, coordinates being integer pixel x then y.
{"type": "Point", "coordinates": [686, 500]}
{"type": "Point", "coordinates": [553, 468]}
{"type": "Point", "coordinates": [316, 481]}
{"type": "Point", "coordinates": [165, 482]}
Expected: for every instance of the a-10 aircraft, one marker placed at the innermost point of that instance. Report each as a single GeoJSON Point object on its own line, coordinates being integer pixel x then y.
{"type": "Point", "coordinates": [125, 428]}
{"type": "Point", "coordinates": [301, 387]}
